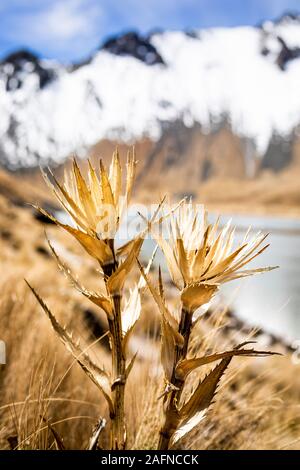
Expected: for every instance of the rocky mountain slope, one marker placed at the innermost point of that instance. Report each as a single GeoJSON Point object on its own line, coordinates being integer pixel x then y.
{"type": "Point", "coordinates": [217, 102]}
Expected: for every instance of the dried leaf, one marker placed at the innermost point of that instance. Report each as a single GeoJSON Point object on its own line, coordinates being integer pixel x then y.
{"type": "Point", "coordinates": [197, 294]}
{"type": "Point", "coordinates": [84, 194]}
{"type": "Point", "coordinates": [163, 309]}
{"type": "Point", "coordinates": [246, 273]}
{"type": "Point", "coordinates": [160, 284]}
{"type": "Point", "coordinates": [246, 258]}
{"type": "Point", "coordinates": [183, 261]}
{"type": "Point", "coordinates": [93, 443]}
{"type": "Point", "coordinates": [204, 393]}
{"type": "Point", "coordinates": [223, 265]}
{"type": "Point", "coordinates": [94, 246]}
{"type": "Point", "coordinates": [116, 281]}
{"type": "Point", "coordinates": [115, 176]}
{"type": "Point", "coordinates": [97, 298]}
{"type": "Point", "coordinates": [211, 254]}
{"type": "Point", "coordinates": [107, 195]}
{"type": "Point", "coordinates": [188, 426]}
{"type": "Point", "coordinates": [94, 185]}
{"type": "Point", "coordinates": [199, 257]}
{"type": "Point", "coordinates": [170, 259]}
{"type": "Point", "coordinates": [132, 309]}
{"type": "Point", "coordinates": [167, 349]}
{"type": "Point", "coordinates": [66, 201]}
{"type": "Point", "coordinates": [94, 372]}
{"type": "Point", "coordinates": [125, 249]}
{"type": "Point", "coordinates": [194, 409]}
{"type": "Point", "coordinates": [130, 365]}
{"type": "Point", "coordinates": [131, 170]}
{"type": "Point", "coordinates": [185, 367]}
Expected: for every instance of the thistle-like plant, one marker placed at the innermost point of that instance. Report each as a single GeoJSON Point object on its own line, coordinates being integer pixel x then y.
{"type": "Point", "coordinates": [200, 259]}
{"type": "Point", "coordinates": [96, 208]}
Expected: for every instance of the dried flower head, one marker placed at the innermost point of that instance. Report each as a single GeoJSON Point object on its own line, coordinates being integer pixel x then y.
{"type": "Point", "coordinates": [95, 206]}
{"type": "Point", "coordinates": [200, 257]}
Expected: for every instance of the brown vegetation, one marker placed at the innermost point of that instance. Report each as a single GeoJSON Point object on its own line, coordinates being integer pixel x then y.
{"type": "Point", "coordinates": [46, 401]}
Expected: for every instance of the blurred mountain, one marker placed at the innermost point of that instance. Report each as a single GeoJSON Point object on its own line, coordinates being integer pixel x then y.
{"type": "Point", "coordinates": [215, 102]}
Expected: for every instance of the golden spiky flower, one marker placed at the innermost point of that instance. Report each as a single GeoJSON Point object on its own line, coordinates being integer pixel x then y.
{"type": "Point", "coordinates": [95, 205]}
{"type": "Point", "coordinates": [200, 257]}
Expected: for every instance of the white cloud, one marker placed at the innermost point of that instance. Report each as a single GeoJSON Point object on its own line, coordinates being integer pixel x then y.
{"type": "Point", "coordinates": [65, 20]}
{"type": "Point", "coordinates": [58, 28]}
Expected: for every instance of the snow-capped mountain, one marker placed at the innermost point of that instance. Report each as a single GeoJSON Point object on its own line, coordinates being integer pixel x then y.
{"type": "Point", "coordinates": [135, 87]}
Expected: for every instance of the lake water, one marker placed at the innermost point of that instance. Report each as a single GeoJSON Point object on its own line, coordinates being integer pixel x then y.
{"type": "Point", "coordinates": [272, 299]}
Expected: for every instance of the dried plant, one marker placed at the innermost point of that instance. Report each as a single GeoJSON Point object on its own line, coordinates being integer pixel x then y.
{"type": "Point", "coordinates": [96, 209]}
{"type": "Point", "coordinates": [200, 259]}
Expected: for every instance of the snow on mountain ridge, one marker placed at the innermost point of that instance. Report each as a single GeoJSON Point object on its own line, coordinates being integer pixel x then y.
{"type": "Point", "coordinates": [233, 72]}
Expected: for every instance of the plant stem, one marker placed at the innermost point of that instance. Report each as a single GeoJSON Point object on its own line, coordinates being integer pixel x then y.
{"type": "Point", "coordinates": [119, 380]}
{"type": "Point", "coordinates": [118, 428]}
{"type": "Point", "coordinates": [171, 413]}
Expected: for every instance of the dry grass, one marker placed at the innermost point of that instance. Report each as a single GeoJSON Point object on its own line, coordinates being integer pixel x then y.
{"type": "Point", "coordinates": [42, 387]}
{"type": "Point", "coordinates": [258, 410]}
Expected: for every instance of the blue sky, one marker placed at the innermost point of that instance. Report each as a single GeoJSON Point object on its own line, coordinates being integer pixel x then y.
{"type": "Point", "coordinates": [68, 30]}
